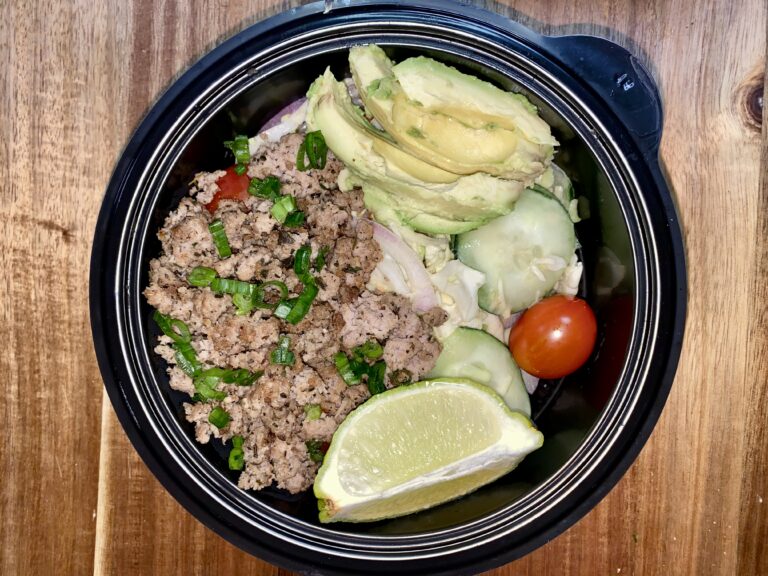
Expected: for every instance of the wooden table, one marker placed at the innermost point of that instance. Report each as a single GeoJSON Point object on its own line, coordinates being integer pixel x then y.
{"type": "Point", "coordinates": [76, 77]}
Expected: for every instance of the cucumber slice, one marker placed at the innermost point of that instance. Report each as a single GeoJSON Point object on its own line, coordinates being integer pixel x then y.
{"type": "Point", "coordinates": [522, 254]}
{"type": "Point", "coordinates": [474, 354]}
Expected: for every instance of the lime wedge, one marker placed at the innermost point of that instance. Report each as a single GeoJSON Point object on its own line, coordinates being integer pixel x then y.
{"type": "Point", "coordinates": [417, 446]}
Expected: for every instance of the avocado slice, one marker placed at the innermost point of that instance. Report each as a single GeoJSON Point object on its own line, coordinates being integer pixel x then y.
{"type": "Point", "coordinates": [452, 120]}
{"type": "Point", "coordinates": [421, 196]}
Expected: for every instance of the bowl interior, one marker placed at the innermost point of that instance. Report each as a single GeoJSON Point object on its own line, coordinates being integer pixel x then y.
{"type": "Point", "coordinates": [563, 410]}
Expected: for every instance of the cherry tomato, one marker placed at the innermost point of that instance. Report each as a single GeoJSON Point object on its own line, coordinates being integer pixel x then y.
{"type": "Point", "coordinates": [554, 337]}
{"type": "Point", "coordinates": [231, 187]}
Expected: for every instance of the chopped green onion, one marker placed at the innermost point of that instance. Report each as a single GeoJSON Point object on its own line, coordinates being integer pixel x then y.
{"type": "Point", "coordinates": [284, 308]}
{"type": "Point", "coordinates": [201, 276]}
{"type": "Point", "coordinates": [240, 149]}
{"type": "Point", "coordinates": [219, 417]}
{"type": "Point", "coordinates": [220, 238]}
{"type": "Point", "coordinates": [241, 376]}
{"type": "Point", "coordinates": [176, 330]}
{"type": "Point", "coordinates": [303, 302]}
{"type": "Point", "coordinates": [350, 377]}
{"type": "Point", "coordinates": [236, 458]}
{"type": "Point", "coordinates": [312, 149]}
{"type": "Point", "coordinates": [400, 377]}
{"type": "Point", "coordinates": [370, 350]}
{"type": "Point", "coordinates": [185, 350]}
{"type": "Point", "coordinates": [295, 219]}
{"type": "Point", "coordinates": [301, 261]}
{"type": "Point", "coordinates": [189, 367]}
{"type": "Point", "coordinates": [283, 207]}
{"type": "Point", "coordinates": [243, 303]}
{"type": "Point", "coordinates": [232, 287]}
{"type": "Point", "coordinates": [320, 259]}
{"type": "Point", "coordinates": [205, 386]}
{"type": "Point", "coordinates": [282, 354]}
{"type": "Point", "coordinates": [313, 411]}
{"type": "Point", "coordinates": [268, 188]}
{"type": "Point", "coordinates": [376, 378]}
{"type": "Point", "coordinates": [259, 294]}
{"type": "Point", "coordinates": [315, 450]}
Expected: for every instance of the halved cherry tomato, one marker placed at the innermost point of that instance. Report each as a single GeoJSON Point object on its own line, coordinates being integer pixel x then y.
{"type": "Point", "coordinates": [231, 187]}
{"type": "Point", "coordinates": [554, 337]}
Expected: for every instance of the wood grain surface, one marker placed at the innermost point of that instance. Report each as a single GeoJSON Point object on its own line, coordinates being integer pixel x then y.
{"type": "Point", "coordinates": [76, 77]}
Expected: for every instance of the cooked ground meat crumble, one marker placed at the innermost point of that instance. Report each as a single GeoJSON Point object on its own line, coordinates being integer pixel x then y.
{"type": "Point", "coordinates": [270, 414]}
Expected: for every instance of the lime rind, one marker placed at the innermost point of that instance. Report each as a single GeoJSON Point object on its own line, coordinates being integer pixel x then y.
{"type": "Point", "coordinates": [345, 499]}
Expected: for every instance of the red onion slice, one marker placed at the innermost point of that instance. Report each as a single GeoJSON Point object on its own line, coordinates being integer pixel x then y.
{"type": "Point", "coordinates": [423, 295]}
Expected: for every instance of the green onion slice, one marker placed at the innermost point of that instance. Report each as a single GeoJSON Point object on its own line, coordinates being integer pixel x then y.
{"type": "Point", "coordinates": [282, 354]}
{"type": "Point", "coordinates": [176, 330]}
{"type": "Point", "coordinates": [313, 411]}
{"type": "Point", "coordinates": [313, 152]}
{"type": "Point", "coordinates": [315, 450]}
{"type": "Point", "coordinates": [302, 260]}
{"type": "Point", "coordinates": [376, 378]}
{"type": "Point", "coordinates": [243, 303]}
{"type": "Point", "coordinates": [201, 276]}
{"type": "Point", "coordinates": [259, 298]}
{"type": "Point", "coordinates": [232, 287]}
{"type": "Point", "coordinates": [220, 238]}
{"type": "Point", "coordinates": [236, 458]}
{"type": "Point", "coordinates": [240, 149]}
{"type": "Point", "coordinates": [219, 417]}
{"type": "Point", "coordinates": [370, 350]}
{"type": "Point", "coordinates": [295, 219]}
{"type": "Point", "coordinates": [282, 208]}
{"type": "Point", "coordinates": [320, 259]}
{"type": "Point", "coordinates": [205, 386]}
{"type": "Point", "coordinates": [268, 188]}
{"type": "Point", "coordinates": [303, 303]}
{"type": "Point", "coordinates": [350, 376]}
{"type": "Point", "coordinates": [190, 367]}
{"type": "Point", "coordinates": [241, 376]}
{"type": "Point", "coordinates": [284, 308]}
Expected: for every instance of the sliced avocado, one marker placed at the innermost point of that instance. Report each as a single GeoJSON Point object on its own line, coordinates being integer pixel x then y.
{"type": "Point", "coordinates": [452, 120]}
{"type": "Point", "coordinates": [382, 205]}
{"type": "Point", "coordinates": [448, 202]}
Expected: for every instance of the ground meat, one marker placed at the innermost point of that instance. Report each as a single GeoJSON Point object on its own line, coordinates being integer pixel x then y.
{"type": "Point", "coordinates": [272, 414]}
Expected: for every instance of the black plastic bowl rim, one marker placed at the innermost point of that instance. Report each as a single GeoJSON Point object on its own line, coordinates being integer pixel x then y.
{"type": "Point", "coordinates": [625, 144]}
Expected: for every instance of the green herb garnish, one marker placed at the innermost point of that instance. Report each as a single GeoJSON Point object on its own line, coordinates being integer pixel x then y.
{"type": "Point", "coordinates": [282, 207]}
{"type": "Point", "coordinates": [240, 149]}
{"type": "Point", "coordinates": [350, 376]}
{"type": "Point", "coordinates": [295, 219]}
{"type": "Point", "coordinates": [282, 354]}
{"type": "Point", "coordinates": [236, 458]}
{"type": "Point", "coordinates": [260, 294]}
{"type": "Point", "coordinates": [370, 350]}
{"type": "Point", "coordinates": [313, 411]}
{"type": "Point", "coordinates": [178, 331]}
{"type": "Point", "coordinates": [267, 188]}
{"type": "Point", "coordinates": [220, 238]}
{"type": "Point", "coordinates": [201, 276]}
{"type": "Point", "coordinates": [219, 417]}
{"type": "Point", "coordinates": [320, 259]}
{"type": "Point", "coordinates": [376, 378]}
{"type": "Point", "coordinates": [302, 304]}
{"type": "Point", "coordinates": [315, 450]}
{"type": "Point", "coordinates": [313, 152]}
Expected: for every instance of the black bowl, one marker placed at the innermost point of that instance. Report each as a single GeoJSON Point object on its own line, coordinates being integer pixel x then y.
{"type": "Point", "coordinates": [605, 110]}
